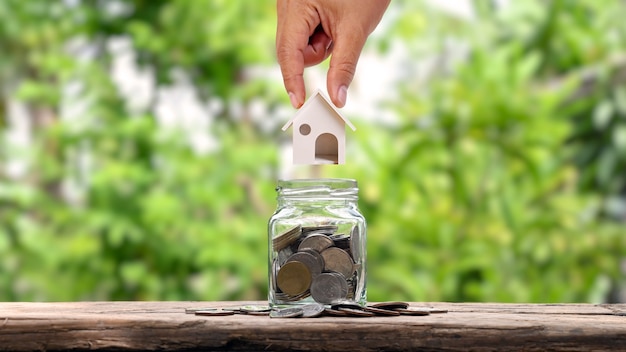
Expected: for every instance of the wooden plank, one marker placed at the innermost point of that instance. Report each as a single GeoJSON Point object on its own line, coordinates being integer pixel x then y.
{"type": "Point", "coordinates": [138, 326]}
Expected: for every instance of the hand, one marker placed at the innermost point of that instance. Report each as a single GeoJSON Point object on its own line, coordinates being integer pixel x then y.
{"type": "Point", "coordinates": [309, 31]}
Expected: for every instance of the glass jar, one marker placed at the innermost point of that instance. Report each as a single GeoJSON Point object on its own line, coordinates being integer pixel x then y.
{"type": "Point", "coordinates": [317, 244]}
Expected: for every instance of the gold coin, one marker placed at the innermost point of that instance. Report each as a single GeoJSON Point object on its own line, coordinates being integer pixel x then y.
{"type": "Point", "coordinates": [293, 278]}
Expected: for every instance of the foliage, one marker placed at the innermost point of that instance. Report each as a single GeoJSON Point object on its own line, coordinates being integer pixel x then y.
{"type": "Point", "coordinates": [471, 177]}
{"type": "Point", "coordinates": [491, 186]}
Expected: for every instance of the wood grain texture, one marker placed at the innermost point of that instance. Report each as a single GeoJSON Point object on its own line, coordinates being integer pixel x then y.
{"type": "Point", "coordinates": [148, 326]}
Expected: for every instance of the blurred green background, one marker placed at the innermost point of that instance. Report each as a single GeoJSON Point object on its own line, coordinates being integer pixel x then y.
{"type": "Point", "coordinates": [140, 145]}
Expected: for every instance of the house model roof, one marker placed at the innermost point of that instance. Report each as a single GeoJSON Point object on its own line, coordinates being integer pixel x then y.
{"type": "Point", "coordinates": [315, 99]}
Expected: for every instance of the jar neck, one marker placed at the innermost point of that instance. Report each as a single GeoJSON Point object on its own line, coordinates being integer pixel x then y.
{"type": "Point", "coordinates": [311, 191]}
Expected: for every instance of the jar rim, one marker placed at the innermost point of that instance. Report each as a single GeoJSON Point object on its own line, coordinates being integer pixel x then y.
{"type": "Point", "coordinates": [315, 187]}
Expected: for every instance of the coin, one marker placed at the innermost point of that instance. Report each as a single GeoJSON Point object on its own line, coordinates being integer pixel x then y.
{"type": "Point", "coordinates": [355, 240]}
{"type": "Point", "coordinates": [316, 254]}
{"type": "Point", "coordinates": [194, 310]}
{"type": "Point", "coordinates": [379, 311]}
{"type": "Point", "coordinates": [335, 312]}
{"type": "Point", "coordinates": [236, 309]}
{"type": "Point", "coordinates": [285, 297]}
{"type": "Point", "coordinates": [263, 312]}
{"type": "Point", "coordinates": [346, 304]}
{"type": "Point", "coordinates": [250, 309]}
{"type": "Point", "coordinates": [214, 313]}
{"type": "Point", "coordinates": [308, 259]}
{"type": "Point", "coordinates": [286, 238]}
{"type": "Point", "coordinates": [341, 240]}
{"type": "Point", "coordinates": [412, 311]}
{"type": "Point", "coordinates": [283, 255]}
{"type": "Point", "coordinates": [329, 287]}
{"type": "Point", "coordinates": [292, 312]}
{"type": "Point", "coordinates": [357, 312]}
{"type": "Point", "coordinates": [317, 242]}
{"type": "Point", "coordinates": [293, 278]}
{"type": "Point", "coordinates": [338, 260]}
{"type": "Point", "coordinates": [312, 310]}
{"type": "Point", "coordinates": [390, 305]}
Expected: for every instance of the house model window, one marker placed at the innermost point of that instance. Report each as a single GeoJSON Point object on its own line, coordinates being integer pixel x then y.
{"type": "Point", "coordinates": [319, 133]}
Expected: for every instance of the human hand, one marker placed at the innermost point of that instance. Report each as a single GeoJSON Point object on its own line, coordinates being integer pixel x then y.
{"type": "Point", "coordinates": [309, 31]}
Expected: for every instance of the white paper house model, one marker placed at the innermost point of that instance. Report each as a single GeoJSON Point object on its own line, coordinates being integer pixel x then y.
{"type": "Point", "coordinates": [319, 132]}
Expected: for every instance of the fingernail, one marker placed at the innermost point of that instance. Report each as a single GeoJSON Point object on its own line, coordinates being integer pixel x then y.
{"type": "Point", "coordinates": [342, 94]}
{"type": "Point", "coordinates": [293, 99]}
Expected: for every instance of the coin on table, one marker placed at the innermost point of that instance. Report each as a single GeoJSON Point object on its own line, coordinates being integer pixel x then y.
{"type": "Point", "coordinates": [412, 311]}
{"type": "Point", "coordinates": [214, 313]}
{"type": "Point", "coordinates": [292, 312]}
{"type": "Point", "coordinates": [345, 304]}
{"type": "Point", "coordinates": [293, 278]}
{"type": "Point", "coordinates": [335, 312]}
{"type": "Point", "coordinates": [255, 310]}
{"type": "Point", "coordinates": [308, 259]}
{"type": "Point", "coordinates": [327, 288]}
{"type": "Point", "coordinates": [357, 312]}
{"type": "Point", "coordinates": [390, 305]}
{"type": "Point", "coordinates": [338, 260]}
{"type": "Point", "coordinates": [194, 310]}
{"type": "Point", "coordinates": [379, 311]}
{"type": "Point", "coordinates": [317, 242]}
{"type": "Point", "coordinates": [312, 310]}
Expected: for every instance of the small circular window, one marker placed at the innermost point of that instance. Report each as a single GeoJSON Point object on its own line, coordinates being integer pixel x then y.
{"type": "Point", "coordinates": [305, 129]}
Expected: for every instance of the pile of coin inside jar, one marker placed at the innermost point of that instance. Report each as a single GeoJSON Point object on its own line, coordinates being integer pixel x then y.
{"type": "Point", "coordinates": [314, 261]}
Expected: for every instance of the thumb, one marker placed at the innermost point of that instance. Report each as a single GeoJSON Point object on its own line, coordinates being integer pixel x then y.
{"type": "Point", "coordinates": [345, 55]}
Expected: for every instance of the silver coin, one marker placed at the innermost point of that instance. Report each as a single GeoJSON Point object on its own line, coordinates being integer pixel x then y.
{"type": "Point", "coordinates": [312, 310]}
{"type": "Point", "coordinates": [292, 312]}
{"type": "Point", "coordinates": [317, 242]}
{"type": "Point", "coordinates": [283, 255]}
{"type": "Point", "coordinates": [194, 310]}
{"type": "Point", "coordinates": [338, 260]}
{"type": "Point", "coordinates": [317, 256]}
{"type": "Point", "coordinates": [308, 259]}
{"type": "Point", "coordinates": [252, 309]}
{"type": "Point", "coordinates": [329, 287]}
{"type": "Point", "coordinates": [214, 313]}
{"type": "Point", "coordinates": [355, 240]}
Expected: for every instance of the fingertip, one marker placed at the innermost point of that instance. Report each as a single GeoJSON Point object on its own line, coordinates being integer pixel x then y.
{"type": "Point", "coordinates": [295, 101]}
{"type": "Point", "coordinates": [342, 94]}
{"type": "Point", "coordinates": [339, 94]}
